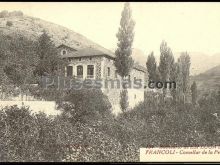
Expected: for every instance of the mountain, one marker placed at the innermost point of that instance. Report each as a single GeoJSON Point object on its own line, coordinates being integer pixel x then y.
{"type": "Point", "coordinates": [209, 80]}
{"type": "Point", "coordinates": [201, 62]}
{"type": "Point", "coordinates": [138, 56]}
{"type": "Point", "coordinates": [33, 27]}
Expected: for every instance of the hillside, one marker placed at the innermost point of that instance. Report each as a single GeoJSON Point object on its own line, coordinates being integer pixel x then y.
{"type": "Point", "coordinates": [33, 27]}
{"type": "Point", "coordinates": [138, 56]}
{"type": "Point", "coordinates": [201, 62]}
{"type": "Point", "coordinates": [209, 80]}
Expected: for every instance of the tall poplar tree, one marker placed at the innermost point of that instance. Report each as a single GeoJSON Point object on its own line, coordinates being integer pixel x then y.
{"type": "Point", "coordinates": [151, 67]}
{"type": "Point", "coordinates": [166, 63]}
{"type": "Point", "coordinates": [194, 93]}
{"type": "Point", "coordinates": [184, 66]}
{"type": "Point", "coordinates": [174, 77]}
{"type": "Point", "coordinates": [123, 61]}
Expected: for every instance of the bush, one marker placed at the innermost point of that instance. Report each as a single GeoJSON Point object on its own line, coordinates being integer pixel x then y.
{"type": "Point", "coordinates": [87, 131]}
{"type": "Point", "coordinates": [19, 133]}
{"type": "Point", "coordinates": [208, 114]}
{"type": "Point", "coordinates": [9, 23]}
{"type": "Point", "coordinates": [16, 13]}
{"type": "Point", "coordinates": [50, 94]}
{"type": "Point", "coordinates": [165, 125]}
{"type": "Point", "coordinates": [37, 137]}
{"type": "Point", "coordinates": [4, 14]}
{"type": "Point", "coordinates": [86, 105]}
{"type": "Point", "coordinates": [31, 137]}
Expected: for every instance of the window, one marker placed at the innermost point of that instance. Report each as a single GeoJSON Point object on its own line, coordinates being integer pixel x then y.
{"type": "Point", "coordinates": [69, 71]}
{"type": "Point", "coordinates": [109, 71]}
{"type": "Point", "coordinates": [80, 71]}
{"type": "Point", "coordinates": [69, 59]}
{"type": "Point", "coordinates": [90, 71]}
{"type": "Point", "coordinates": [63, 52]}
{"type": "Point", "coordinates": [80, 59]}
{"type": "Point", "coordinates": [116, 74]}
{"type": "Point", "coordinates": [134, 78]}
{"type": "Point", "coordinates": [90, 58]}
{"type": "Point", "coordinates": [135, 96]}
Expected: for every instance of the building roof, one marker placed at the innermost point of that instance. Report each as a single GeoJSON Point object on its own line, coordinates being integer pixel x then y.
{"type": "Point", "coordinates": [87, 52]}
{"type": "Point", "coordinates": [66, 46]}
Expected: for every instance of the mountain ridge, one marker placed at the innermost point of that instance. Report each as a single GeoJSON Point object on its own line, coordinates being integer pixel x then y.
{"type": "Point", "coordinates": [208, 80]}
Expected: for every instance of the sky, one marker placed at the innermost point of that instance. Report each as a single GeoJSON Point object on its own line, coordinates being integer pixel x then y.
{"type": "Point", "coordinates": [192, 27]}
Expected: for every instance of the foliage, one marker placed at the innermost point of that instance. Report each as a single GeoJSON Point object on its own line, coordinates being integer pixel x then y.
{"type": "Point", "coordinates": [124, 62]}
{"type": "Point", "coordinates": [87, 104]}
{"type": "Point", "coordinates": [23, 60]}
{"type": "Point", "coordinates": [13, 74]}
{"type": "Point", "coordinates": [175, 77]}
{"type": "Point", "coordinates": [152, 67]}
{"type": "Point", "coordinates": [50, 94]}
{"type": "Point", "coordinates": [209, 115]}
{"type": "Point", "coordinates": [9, 23]}
{"type": "Point", "coordinates": [99, 136]}
{"type": "Point", "coordinates": [184, 64]}
{"type": "Point", "coordinates": [5, 13]}
{"type": "Point", "coordinates": [19, 60]}
{"type": "Point", "coordinates": [166, 63]}
{"type": "Point", "coordinates": [124, 100]}
{"type": "Point", "coordinates": [49, 61]}
{"type": "Point", "coordinates": [194, 93]}
{"type": "Point", "coordinates": [166, 60]}
{"type": "Point", "coordinates": [37, 137]}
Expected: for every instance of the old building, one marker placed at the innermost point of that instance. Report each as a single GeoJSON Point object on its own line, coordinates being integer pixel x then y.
{"type": "Point", "coordinates": [91, 63]}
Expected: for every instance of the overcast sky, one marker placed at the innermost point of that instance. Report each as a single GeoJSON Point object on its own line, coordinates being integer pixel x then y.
{"type": "Point", "coordinates": [192, 27]}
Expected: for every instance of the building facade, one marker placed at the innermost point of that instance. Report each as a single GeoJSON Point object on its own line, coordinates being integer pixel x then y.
{"type": "Point", "coordinates": [90, 63]}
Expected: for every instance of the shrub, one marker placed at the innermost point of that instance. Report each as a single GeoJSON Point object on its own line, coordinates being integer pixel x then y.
{"type": "Point", "coordinates": [86, 105]}
{"type": "Point", "coordinates": [19, 134]}
{"type": "Point", "coordinates": [9, 23]}
{"type": "Point", "coordinates": [37, 137]}
{"type": "Point", "coordinates": [31, 137]}
{"type": "Point", "coordinates": [4, 14]}
{"type": "Point", "coordinates": [86, 130]}
{"type": "Point", "coordinates": [16, 13]}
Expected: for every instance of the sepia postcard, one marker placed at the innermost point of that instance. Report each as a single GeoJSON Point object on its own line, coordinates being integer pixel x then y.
{"type": "Point", "coordinates": [109, 82]}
